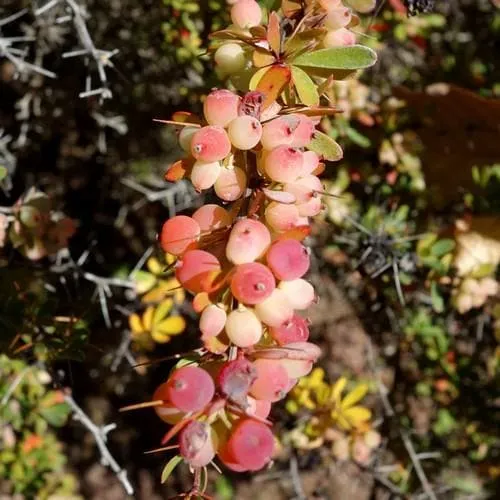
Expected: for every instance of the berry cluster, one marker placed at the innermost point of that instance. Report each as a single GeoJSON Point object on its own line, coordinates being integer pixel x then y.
{"type": "Point", "coordinates": [245, 267]}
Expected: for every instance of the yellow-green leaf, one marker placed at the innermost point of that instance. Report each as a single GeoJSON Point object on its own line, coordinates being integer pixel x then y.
{"type": "Point", "coordinates": [338, 388]}
{"type": "Point", "coordinates": [346, 58]}
{"type": "Point", "coordinates": [357, 415]}
{"type": "Point", "coordinates": [169, 468]}
{"type": "Point", "coordinates": [173, 325]}
{"type": "Point", "coordinates": [135, 324]}
{"type": "Point", "coordinates": [162, 310]}
{"type": "Point", "coordinates": [147, 318]}
{"type": "Point", "coordinates": [273, 83]}
{"type": "Point", "coordinates": [356, 395]}
{"type": "Point", "coordinates": [257, 77]}
{"type": "Point", "coordinates": [326, 147]}
{"type": "Point", "coordinates": [306, 88]}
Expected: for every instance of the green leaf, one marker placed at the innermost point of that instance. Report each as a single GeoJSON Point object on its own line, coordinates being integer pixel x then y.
{"type": "Point", "coordinates": [358, 138]}
{"type": "Point", "coordinates": [326, 147]}
{"type": "Point", "coordinates": [442, 247]}
{"type": "Point", "coordinates": [306, 88]}
{"type": "Point", "coordinates": [3, 173]}
{"type": "Point", "coordinates": [56, 415]}
{"type": "Point", "coordinates": [350, 58]}
{"type": "Point", "coordinates": [169, 468]}
{"type": "Point", "coordinates": [437, 300]}
{"type": "Point", "coordinates": [445, 423]}
{"type": "Point", "coordinates": [224, 488]}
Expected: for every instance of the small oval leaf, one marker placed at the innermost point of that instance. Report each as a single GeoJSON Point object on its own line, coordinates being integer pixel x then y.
{"type": "Point", "coordinates": [306, 88]}
{"type": "Point", "coordinates": [325, 146]}
{"type": "Point", "coordinates": [350, 58]}
{"type": "Point", "coordinates": [169, 468]}
{"type": "Point", "coordinates": [273, 83]}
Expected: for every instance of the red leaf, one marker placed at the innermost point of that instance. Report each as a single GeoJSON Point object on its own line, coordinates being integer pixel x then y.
{"type": "Point", "coordinates": [273, 83]}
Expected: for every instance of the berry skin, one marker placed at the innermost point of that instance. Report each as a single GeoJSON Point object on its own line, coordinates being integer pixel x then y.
{"type": "Point", "coordinates": [246, 14]}
{"type": "Point", "coordinates": [288, 259]}
{"type": "Point", "coordinates": [231, 184]}
{"type": "Point", "coordinates": [179, 234]}
{"type": "Point", "coordinates": [281, 217]}
{"type": "Point", "coordinates": [243, 327]}
{"type": "Point", "coordinates": [210, 144]}
{"type": "Point", "coordinates": [212, 321]}
{"type": "Point", "coordinates": [235, 379]}
{"type": "Point", "coordinates": [293, 330]}
{"type": "Point", "coordinates": [279, 132]}
{"type": "Point", "coordinates": [230, 58]}
{"type": "Point", "coordinates": [190, 388]}
{"type": "Point", "coordinates": [221, 107]}
{"type": "Point", "coordinates": [311, 163]}
{"type": "Point", "coordinates": [299, 292]}
{"type": "Point", "coordinates": [275, 310]}
{"type": "Point", "coordinates": [166, 412]}
{"type": "Point", "coordinates": [304, 132]}
{"type": "Point", "coordinates": [196, 444]}
{"type": "Point", "coordinates": [196, 270]}
{"type": "Point", "coordinates": [245, 132]}
{"type": "Point", "coordinates": [272, 381]}
{"type": "Point", "coordinates": [306, 191]}
{"type": "Point", "coordinates": [211, 217]}
{"type": "Point", "coordinates": [284, 164]}
{"type": "Point", "coordinates": [204, 175]}
{"type": "Point", "coordinates": [248, 241]}
{"type": "Point", "coordinates": [339, 38]}
{"type": "Point", "coordinates": [338, 18]}
{"type": "Point", "coordinates": [252, 283]}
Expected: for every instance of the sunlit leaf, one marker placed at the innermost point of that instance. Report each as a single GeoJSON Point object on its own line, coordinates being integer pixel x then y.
{"type": "Point", "coordinates": [291, 7]}
{"type": "Point", "coordinates": [257, 77]}
{"type": "Point", "coordinates": [357, 415]}
{"type": "Point", "coordinates": [262, 58]}
{"type": "Point", "coordinates": [325, 147]}
{"type": "Point", "coordinates": [306, 88]}
{"type": "Point", "coordinates": [338, 388]}
{"type": "Point", "coordinates": [135, 323]}
{"type": "Point", "coordinates": [147, 318]}
{"type": "Point", "coordinates": [273, 33]}
{"type": "Point", "coordinates": [356, 395]}
{"type": "Point", "coordinates": [178, 170]}
{"type": "Point", "coordinates": [143, 281]}
{"type": "Point", "coordinates": [172, 325]}
{"type": "Point", "coordinates": [169, 468]}
{"type": "Point", "coordinates": [185, 117]}
{"type": "Point", "coordinates": [304, 40]}
{"type": "Point", "coordinates": [349, 58]}
{"type": "Point", "coordinates": [3, 173]}
{"type": "Point", "coordinates": [273, 82]}
{"type": "Point", "coordinates": [162, 310]}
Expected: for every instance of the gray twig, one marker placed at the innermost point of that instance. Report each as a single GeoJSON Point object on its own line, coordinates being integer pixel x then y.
{"type": "Point", "coordinates": [100, 436]}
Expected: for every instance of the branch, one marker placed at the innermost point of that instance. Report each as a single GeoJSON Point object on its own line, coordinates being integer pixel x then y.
{"type": "Point", "coordinates": [100, 436]}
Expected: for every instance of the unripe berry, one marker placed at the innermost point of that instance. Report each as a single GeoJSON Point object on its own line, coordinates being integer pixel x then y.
{"type": "Point", "coordinates": [179, 234]}
{"type": "Point", "coordinates": [252, 283]}
{"type": "Point", "coordinates": [281, 217]}
{"type": "Point", "coordinates": [339, 38]}
{"type": "Point", "coordinates": [293, 330]}
{"type": "Point", "coordinates": [235, 379]}
{"type": "Point", "coordinates": [245, 132]}
{"type": "Point", "coordinates": [204, 175]}
{"type": "Point", "coordinates": [196, 270]}
{"type": "Point", "coordinates": [246, 14]}
{"type": "Point", "coordinates": [230, 58]}
{"type": "Point", "coordinates": [196, 444]}
{"type": "Point", "coordinates": [288, 259]}
{"type": "Point", "coordinates": [190, 388]}
{"type": "Point", "coordinates": [210, 144]}
{"type": "Point", "coordinates": [166, 412]}
{"type": "Point", "coordinates": [284, 164]}
{"type": "Point", "coordinates": [279, 132]}
{"type": "Point", "coordinates": [272, 381]}
{"type": "Point", "coordinates": [304, 132]}
{"type": "Point", "coordinates": [306, 191]}
{"type": "Point", "coordinates": [299, 292]}
{"type": "Point", "coordinates": [275, 310]}
{"type": "Point", "coordinates": [248, 241]}
{"type": "Point", "coordinates": [231, 184]}
{"type": "Point", "coordinates": [243, 327]}
{"type": "Point", "coordinates": [212, 320]}
{"type": "Point", "coordinates": [221, 107]}
{"type": "Point", "coordinates": [363, 6]}
{"type": "Point", "coordinates": [211, 217]}
{"type": "Point", "coordinates": [311, 163]}
{"type": "Point", "coordinates": [185, 137]}
{"type": "Point", "coordinates": [338, 18]}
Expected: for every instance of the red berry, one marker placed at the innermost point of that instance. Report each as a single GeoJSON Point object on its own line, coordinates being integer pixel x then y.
{"type": "Point", "coordinates": [190, 388]}
{"type": "Point", "coordinates": [288, 259]}
{"type": "Point", "coordinates": [252, 283]}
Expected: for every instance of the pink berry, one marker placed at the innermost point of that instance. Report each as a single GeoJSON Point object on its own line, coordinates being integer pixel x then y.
{"type": "Point", "coordinates": [274, 310]}
{"type": "Point", "coordinates": [258, 407]}
{"type": "Point", "coordinates": [299, 292]}
{"type": "Point", "coordinates": [272, 380]}
{"type": "Point", "coordinates": [166, 412]}
{"type": "Point", "coordinates": [235, 379]}
{"type": "Point", "coordinates": [303, 133]}
{"type": "Point", "coordinates": [251, 444]}
{"type": "Point", "coordinates": [190, 388]}
{"type": "Point", "coordinates": [245, 132]}
{"type": "Point", "coordinates": [288, 259]}
{"type": "Point", "coordinates": [246, 14]}
{"type": "Point", "coordinates": [281, 217]}
{"type": "Point", "coordinates": [339, 38]}
{"type": "Point", "coordinates": [196, 445]}
{"type": "Point", "coordinates": [210, 144]}
{"type": "Point", "coordinates": [293, 330]}
{"type": "Point", "coordinates": [338, 18]}
{"type": "Point", "coordinates": [284, 164]}
{"type": "Point", "coordinates": [196, 269]}
{"type": "Point", "coordinates": [311, 163]}
{"type": "Point", "coordinates": [243, 327]}
{"type": "Point", "coordinates": [248, 241]}
{"type": "Point", "coordinates": [231, 184]}
{"type": "Point", "coordinates": [279, 131]}
{"type": "Point", "coordinates": [204, 175]}
{"type": "Point", "coordinates": [211, 217]}
{"type": "Point", "coordinates": [212, 321]}
{"type": "Point", "coordinates": [252, 283]}
{"type": "Point", "coordinates": [306, 191]}
{"type": "Point", "coordinates": [221, 107]}
{"type": "Point", "coordinates": [179, 234]}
